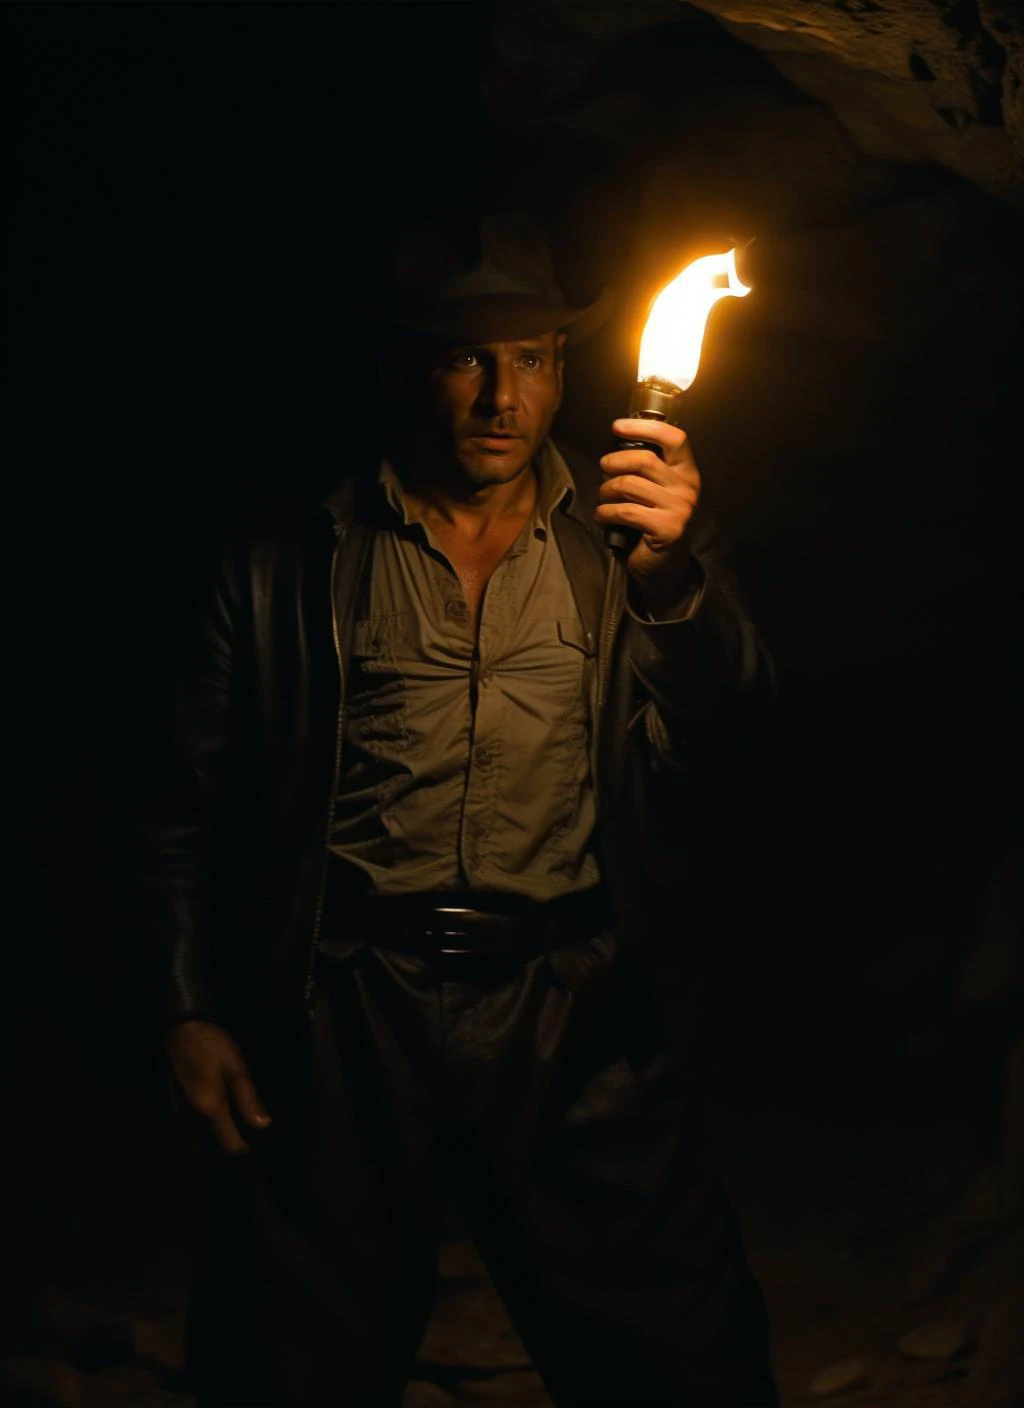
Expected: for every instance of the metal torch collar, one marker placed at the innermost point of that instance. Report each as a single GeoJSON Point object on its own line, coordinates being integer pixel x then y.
{"type": "Point", "coordinates": [654, 399]}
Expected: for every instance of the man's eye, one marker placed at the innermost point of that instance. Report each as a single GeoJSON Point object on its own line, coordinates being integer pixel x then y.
{"type": "Point", "coordinates": [464, 359]}
{"type": "Point", "coordinates": [531, 360]}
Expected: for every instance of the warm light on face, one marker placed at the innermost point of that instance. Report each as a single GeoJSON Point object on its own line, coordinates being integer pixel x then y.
{"type": "Point", "coordinates": [674, 332]}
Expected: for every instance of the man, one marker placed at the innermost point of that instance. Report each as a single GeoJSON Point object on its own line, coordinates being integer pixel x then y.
{"type": "Point", "coordinates": [415, 883]}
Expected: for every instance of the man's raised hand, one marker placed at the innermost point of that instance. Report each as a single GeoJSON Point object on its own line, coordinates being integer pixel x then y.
{"type": "Point", "coordinates": [655, 496]}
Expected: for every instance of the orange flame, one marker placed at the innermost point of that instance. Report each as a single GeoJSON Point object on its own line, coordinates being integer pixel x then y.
{"type": "Point", "coordinates": [674, 332]}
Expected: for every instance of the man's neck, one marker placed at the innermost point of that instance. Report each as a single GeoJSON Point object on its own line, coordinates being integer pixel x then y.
{"type": "Point", "coordinates": [471, 511]}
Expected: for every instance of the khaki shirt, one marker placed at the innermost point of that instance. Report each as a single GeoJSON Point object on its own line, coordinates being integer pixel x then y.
{"type": "Point", "coordinates": [465, 761]}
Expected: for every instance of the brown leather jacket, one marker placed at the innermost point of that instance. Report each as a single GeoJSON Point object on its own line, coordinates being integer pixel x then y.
{"type": "Point", "coordinates": [234, 878]}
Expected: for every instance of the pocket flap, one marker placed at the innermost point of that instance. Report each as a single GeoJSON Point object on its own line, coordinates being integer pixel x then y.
{"type": "Point", "coordinates": [571, 632]}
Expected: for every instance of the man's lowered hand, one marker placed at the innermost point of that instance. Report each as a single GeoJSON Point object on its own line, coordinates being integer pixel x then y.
{"type": "Point", "coordinates": [211, 1073]}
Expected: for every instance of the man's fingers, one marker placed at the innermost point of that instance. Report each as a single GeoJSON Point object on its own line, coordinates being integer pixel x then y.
{"type": "Point", "coordinates": [225, 1131]}
{"type": "Point", "coordinates": [659, 524]}
{"type": "Point", "coordinates": [645, 491]}
{"type": "Point", "coordinates": [210, 1104]}
{"type": "Point", "coordinates": [631, 486]}
{"type": "Point", "coordinates": [659, 431]}
{"type": "Point", "coordinates": [644, 462]}
{"type": "Point", "coordinates": [249, 1104]}
{"type": "Point", "coordinates": [214, 1079]}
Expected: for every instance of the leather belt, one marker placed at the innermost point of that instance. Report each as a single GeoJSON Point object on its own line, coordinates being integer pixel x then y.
{"type": "Point", "coordinates": [474, 923]}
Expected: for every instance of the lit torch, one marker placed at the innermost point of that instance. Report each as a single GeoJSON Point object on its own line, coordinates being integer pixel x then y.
{"type": "Point", "coordinates": [670, 352]}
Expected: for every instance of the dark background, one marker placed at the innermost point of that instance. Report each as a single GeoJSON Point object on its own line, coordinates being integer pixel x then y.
{"type": "Point", "coordinates": [196, 189]}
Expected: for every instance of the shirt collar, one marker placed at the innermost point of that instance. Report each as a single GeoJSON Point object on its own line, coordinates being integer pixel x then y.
{"type": "Point", "coordinates": [391, 486]}
{"type": "Point", "coordinates": [555, 484]}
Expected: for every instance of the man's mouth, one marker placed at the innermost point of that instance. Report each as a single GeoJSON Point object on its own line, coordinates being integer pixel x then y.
{"type": "Point", "coordinates": [496, 440]}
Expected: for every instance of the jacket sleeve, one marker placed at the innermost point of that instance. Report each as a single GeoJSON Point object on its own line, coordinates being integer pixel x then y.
{"type": "Point", "coordinates": [705, 678]}
{"type": "Point", "coordinates": [179, 821]}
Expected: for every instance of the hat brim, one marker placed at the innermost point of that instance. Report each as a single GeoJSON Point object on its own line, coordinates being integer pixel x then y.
{"type": "Point", "coordinates": [493, 317]}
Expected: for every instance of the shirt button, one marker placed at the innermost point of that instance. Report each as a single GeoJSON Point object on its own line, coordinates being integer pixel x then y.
{"type": "Point", "coordinates": [455, 610]}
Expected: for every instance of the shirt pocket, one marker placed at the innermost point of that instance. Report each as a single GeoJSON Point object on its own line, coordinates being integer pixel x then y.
{"type": "Point", "coordinates": [377, 635]}
{"type": "Point", "coordinates": [376, 701]}
{"type": "Point", "coordinates": [578, 646]}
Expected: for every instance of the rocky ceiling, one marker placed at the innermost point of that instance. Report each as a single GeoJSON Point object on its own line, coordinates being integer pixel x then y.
{"type": "Point", "coordinates": [911, 81]}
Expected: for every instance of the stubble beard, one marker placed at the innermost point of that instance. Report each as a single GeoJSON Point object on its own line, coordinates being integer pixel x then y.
{"type": "Point", "coordinates": [486, 472]}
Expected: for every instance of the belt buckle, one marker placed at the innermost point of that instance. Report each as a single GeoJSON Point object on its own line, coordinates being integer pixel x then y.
{"type": "Point", "coordinates": [446, 929]}
{"type": "Point", "coordinates": [459, 921]}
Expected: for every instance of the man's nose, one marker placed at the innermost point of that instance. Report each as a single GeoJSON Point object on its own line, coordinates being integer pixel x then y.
{"type": "Point", "coordinates": [501, 391]}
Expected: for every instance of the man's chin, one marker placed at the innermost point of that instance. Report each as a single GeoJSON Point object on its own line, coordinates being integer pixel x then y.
{"type": "Point", "coordinates": [483, 465]}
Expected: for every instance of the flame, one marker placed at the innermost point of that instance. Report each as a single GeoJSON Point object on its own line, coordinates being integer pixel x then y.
{"type": "Point", "coordinates": [674, 332]}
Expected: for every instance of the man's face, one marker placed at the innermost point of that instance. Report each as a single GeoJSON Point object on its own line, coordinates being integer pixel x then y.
{"type": "Point", "coordinates": [489, 406]}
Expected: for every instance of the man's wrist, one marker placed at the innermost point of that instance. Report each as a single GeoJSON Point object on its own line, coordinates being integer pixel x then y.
{"type": "Point", "coordinates": [670, 596]}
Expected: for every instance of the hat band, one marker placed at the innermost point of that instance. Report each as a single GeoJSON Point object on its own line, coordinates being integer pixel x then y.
{"type": "Point", "coordinates": [483, 282]}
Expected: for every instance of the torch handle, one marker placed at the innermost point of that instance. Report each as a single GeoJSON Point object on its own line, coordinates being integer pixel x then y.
{"type": "Point", "coordinates": [619, 540]}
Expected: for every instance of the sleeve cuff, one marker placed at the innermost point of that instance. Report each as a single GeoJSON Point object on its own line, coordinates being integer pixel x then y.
{"type": "Point", "coordinates": [683, 610]}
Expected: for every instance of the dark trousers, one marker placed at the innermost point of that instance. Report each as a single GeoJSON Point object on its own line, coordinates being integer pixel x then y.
{"type": "Point", "coordinates": [544, 1098]}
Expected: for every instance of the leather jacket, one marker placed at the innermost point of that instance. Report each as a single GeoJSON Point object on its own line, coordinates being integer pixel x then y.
{"type": "Point", "coordinates": [234, 876]}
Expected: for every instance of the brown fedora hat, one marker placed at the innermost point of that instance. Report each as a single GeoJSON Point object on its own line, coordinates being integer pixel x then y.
{"type": "Point", "coordinates": [482, 278]}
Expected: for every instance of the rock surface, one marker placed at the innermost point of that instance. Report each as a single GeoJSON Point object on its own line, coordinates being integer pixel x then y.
{"type": "Point", "coordinates": [841, 1377]}
{"type": "Point", "coordinates": [909, 80]}
{"type": "Point", "coordinates": [942, 1339]}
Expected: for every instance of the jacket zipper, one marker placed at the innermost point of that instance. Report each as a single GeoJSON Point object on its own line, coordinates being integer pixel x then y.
{"type": "Point", "coordinates": [332, 799]}
{"type": "Point", "coordinates": [611, 611]}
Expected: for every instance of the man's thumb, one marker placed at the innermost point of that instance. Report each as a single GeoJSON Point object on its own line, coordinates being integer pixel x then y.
{"type": "Point", "coordinates": [249, 1104]}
